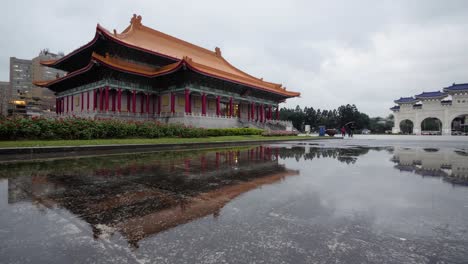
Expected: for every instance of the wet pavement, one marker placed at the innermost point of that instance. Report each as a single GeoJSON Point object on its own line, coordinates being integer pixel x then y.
{"type": "Point", "coordinates": [359, 200]}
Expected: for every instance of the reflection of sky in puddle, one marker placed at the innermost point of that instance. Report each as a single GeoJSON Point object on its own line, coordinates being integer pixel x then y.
{"type": "Point", "coordinates": [292, 203]}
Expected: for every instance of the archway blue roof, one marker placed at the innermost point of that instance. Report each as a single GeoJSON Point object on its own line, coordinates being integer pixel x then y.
{"type": "Point", "coordinates": [405, 100]}
{"type": "Point", "coordinates": [457, 87]}
{"type": "Point", "coordinates": [427, 95]}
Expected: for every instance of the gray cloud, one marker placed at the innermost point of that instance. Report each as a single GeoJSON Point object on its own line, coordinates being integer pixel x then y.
{"type": "Point", "coordinates": [333, 52]}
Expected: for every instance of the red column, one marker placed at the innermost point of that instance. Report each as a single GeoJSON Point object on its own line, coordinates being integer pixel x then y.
{"type": "Point", "coordinates": [159, 104]}
{"type": "Point", "coordinates": [154, 103]}
{"type": "Point", "coordinates": [142, 103]}
{"type": "Point", "coordinates": [101, 99]}
{"type": "Point", "coordinates": [82, 101]}
{"type": "Point", "coordinates": [264, 113]}
{"type": "Point", "coordinates": [113, 101]}
{"type": "Point", "coordinates": [147, 103]}
{"type": "Point", "coordinates": [107, 98]}
{"type": "Point", "coordinates": [252, 111]}
{"type": "Point", "coordinates": [218, 102]}
{"type": "Point", "coordinates": [277, 112]}
{"type": "Point", "coordinates": [56, 105]}
{"type": "Point", "coordinates": [239, 111]}
{"type": "Point", "coordinates": [134, 101]}
{"type": "Point", "coordinates": [172, 102]}
{"type": "Point", "coordinates": [187, 101]}
{"type": "Point", "coordinates": [62, 105]}
{"type": "Point", "coordinates": [257, 111]}
{"type": "Point", "coordinates": [231, 109]}
{"type": "Point", "coordinates": [94, 100]}
{"type": "Point", "coordinates": [270, 115]}
{"type": "Point", "coordinates": [261, 113]}
{"type": "Point", "coordinates": [119, 100]}
{"type": "Point", "coordinates": [72, 104]}
{"type": "Point", "coordinates": [129, 108]}
{"type": "Point", "coordinates": [68, 100]}
{"type": "Point", "coordinates": [190, 103]}
{"type": "Point", "coordinates": [87, 100]}
{"type": "Point", "coordinates": [203, 104]}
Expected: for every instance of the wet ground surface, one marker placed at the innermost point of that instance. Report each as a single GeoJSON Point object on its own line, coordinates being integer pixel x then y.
{"type": "Point", "coordinates": [361, 200]}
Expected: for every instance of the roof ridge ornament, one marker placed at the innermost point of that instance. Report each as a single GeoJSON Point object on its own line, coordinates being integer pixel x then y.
{"type": "Point", "coordinates": [187, 59]}
{"type": "Point", "coordinates": [218, 52]}
{"type": "Point", "coordinates": [136, 20]}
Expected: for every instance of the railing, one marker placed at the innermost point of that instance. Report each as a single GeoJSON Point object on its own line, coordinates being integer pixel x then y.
{"type": "Point", "coordinates": [116, 114]}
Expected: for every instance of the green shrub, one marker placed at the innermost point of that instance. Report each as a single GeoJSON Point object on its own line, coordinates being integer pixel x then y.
{"type": "Point", "coordinates": [82, 128]}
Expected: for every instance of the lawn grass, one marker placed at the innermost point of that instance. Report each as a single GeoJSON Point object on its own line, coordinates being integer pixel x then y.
{"type": "Point", "coordinates": [94, 142]}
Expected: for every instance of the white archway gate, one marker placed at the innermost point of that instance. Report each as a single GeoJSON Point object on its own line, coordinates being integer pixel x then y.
{"type": "Point", "coordinates": [432, 105]}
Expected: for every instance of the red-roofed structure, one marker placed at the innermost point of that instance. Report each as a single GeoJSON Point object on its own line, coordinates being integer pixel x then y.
{"type": "Point", "coordinates": [142, 73]}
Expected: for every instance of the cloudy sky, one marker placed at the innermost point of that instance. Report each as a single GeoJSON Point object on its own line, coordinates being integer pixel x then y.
{"type": "Point", "coordinates": [333, 52]}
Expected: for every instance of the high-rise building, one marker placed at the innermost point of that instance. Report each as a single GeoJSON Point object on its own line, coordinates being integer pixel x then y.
{"type": "Point", "coordinates": [4, 91]}
{"type": "Point", "coordinates": [20, 86]}
{"type": "Point", "coordinates": [44, 99]}
{"type": "Point", "coordinates": [24, 98]}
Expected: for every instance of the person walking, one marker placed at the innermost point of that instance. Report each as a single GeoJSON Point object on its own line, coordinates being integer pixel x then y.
{"type": "Point", "coordinates": [343, 131]}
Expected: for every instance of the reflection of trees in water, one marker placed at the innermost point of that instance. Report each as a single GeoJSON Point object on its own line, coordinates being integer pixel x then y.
{"type": "Point", "coordinates": [346, 155]}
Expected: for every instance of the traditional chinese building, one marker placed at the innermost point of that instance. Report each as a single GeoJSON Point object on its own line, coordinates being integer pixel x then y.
{"type": "Point", "coordinates": [448, 108]}
{"type": "Point", "coordinates": [142, 73]}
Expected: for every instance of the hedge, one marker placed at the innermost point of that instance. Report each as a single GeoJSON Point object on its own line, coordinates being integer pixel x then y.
{"type": "Point", "coordinates": [82, 128]}
{"type": "Point", "coordinates": [274, 133]}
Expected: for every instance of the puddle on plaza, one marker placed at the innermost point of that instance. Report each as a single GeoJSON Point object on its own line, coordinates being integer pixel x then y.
{"type": "Point", "coordinates": [268, 204]}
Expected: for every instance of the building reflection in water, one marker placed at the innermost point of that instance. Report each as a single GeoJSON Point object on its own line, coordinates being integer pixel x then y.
{"type": "Point", "coordinates": [451, 165]}
{"type": "Point", "coordinates": [143, 194]}
{"type": "Point", "coordinates": [139, 195]}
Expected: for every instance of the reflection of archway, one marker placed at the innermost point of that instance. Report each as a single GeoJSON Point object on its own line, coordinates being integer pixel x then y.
{"type": "Point", "coordinates": [431, 126]}
{"type": "Point", "coordinates": [459, 125]}
{"type": "Point", "coordinates": [406, 126]}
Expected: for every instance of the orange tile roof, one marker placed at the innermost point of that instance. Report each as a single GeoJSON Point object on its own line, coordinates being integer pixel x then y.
{"type": "Point", "coordinates": [151, 72]}
{"type": "Point", "coordinates": [197, 58]}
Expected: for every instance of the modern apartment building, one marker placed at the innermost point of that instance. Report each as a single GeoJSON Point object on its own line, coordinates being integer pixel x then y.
{"type": "Point", "coordinates": [4, 91]}
{"type": "Point", "coordinates": [24, 98]}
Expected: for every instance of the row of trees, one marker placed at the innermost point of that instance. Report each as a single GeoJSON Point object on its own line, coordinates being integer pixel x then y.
{"type": "Point", "coordinates": [335, 118]}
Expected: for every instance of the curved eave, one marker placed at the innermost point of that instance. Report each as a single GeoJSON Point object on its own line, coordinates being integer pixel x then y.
{"type": "Point", "coordinates": [55, 63]}
{"type": "Point", "coordinates": [102, 61]}
{"type": "Point", "coordinates": [48, 84]}
{"type": "Point", "coordinates": [199, 70]}
{"type": "Point", "coordinates": [97, 59]}
{"type": "Point", "coordinates": [144, 73]}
